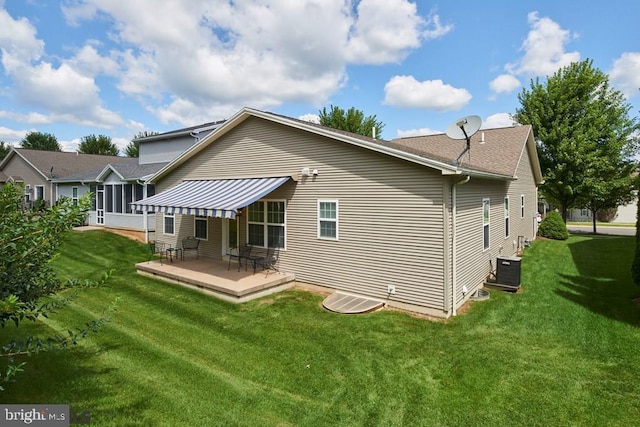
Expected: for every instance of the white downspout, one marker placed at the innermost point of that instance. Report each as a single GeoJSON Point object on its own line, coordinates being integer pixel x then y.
{"type": "Point", "coordinates": [454, 249]}
{"type": "Point", "coordinates": [145, 214]}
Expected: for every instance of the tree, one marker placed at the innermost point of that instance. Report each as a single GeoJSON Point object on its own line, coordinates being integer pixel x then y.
{"type": "Point", "coordinates": [133, 148]}
{"type": "Point", "coordinates": [100, 144]}
{"type": "Point", "coordinates": [351, 121]}
{"type": "Point", "coordinates": [28, 283]}
{"type": "Point", "coordinates": [585, 137]}
{"type": "Point", "coordinates": [4, 150]}
{"type": "Point", "coordinates": [40, 141]}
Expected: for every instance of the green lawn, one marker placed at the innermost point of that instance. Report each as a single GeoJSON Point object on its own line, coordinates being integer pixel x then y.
{"type": "Point", "coordinates": [565, 351]}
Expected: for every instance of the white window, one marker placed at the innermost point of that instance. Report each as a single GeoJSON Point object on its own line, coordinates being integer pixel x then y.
{"type": "Point", "coordinates": [27, 193]}
{"type": "Point", "coordinates": [506, 217]}
{"type": "Point", "coordinates": [200, 227]}
{"type": "Point", "coordinates": [266, 223]}
{"type": "Point", "coordinates": [328, 219]}
{"type": "Point", "coordinates": [39, 192]}
{"type": "Point", "coordinates": [169, 224]}
{"type": "Point", "coordinates": [74, 196]}
{"type": "Point", "coordinates": [486, 205]}
{"type": "Point", "coordinates": [522, 206]}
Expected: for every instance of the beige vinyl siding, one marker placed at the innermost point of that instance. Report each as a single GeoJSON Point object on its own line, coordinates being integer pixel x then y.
{"type": "Point", "coordinates": [391, 216]}
{"type": "Point", "coordinates": [524, 185]}
{"type": "Point", "coordinates": [472, 258]}
{"type": "Point", "coordinates": [18, 167]}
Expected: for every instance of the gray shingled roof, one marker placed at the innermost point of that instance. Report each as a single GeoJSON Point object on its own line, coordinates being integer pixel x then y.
{"type": "Point", "coordinates": [499, 154]}
{"type": "Point", "coordinates": [60, 164]}
{"type": "Point", "coordinates": [129, 169]}
{"type": "Point", "coordinates": [136, 171]}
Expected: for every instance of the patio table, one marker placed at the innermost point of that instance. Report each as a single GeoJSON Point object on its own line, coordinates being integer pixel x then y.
{"type": "Point", "coordinates": [174, 253]}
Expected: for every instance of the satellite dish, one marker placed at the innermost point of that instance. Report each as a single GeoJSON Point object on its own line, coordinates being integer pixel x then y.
{"type": "Point", "coordinates": [464, 129]}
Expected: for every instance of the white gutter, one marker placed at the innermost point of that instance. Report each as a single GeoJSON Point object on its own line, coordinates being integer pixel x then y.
{"type": "Point", "coordinates": [454, 249]}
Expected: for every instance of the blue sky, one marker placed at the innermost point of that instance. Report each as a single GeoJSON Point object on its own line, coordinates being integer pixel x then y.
{"type": "Point", "coordinates": [79, 67]}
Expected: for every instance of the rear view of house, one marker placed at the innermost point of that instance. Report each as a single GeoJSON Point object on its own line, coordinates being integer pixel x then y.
{"type": "Point", "coordinates": [353, 213]}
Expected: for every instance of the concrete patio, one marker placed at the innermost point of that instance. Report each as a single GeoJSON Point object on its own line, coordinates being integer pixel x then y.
{"type": "Point", "coordinates": [214, 277]}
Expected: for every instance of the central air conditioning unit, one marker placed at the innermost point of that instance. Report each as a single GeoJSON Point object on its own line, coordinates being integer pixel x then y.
{"type": "Point", "coordinates": [508, 270]}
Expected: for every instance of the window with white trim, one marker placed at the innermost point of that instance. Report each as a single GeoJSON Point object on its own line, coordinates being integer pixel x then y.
{"type": "Point", "coordinates": [328, 219]}
{"type": "Point", "coordinates": [506, 217]}
{"type": "Point", "coordinates": [74, 196]}
{"type": "Point", "coordinates": [522, 206]}
{"type": "Point", "coordinates": [486, 209]}
{"type": "Point", "coordinates": [266, 223]}
{"type": "Point", "coordinates": [39, 192]}
{"type": "Point", "coordinates": [168, 222]}
{"type": "Point", "coordinates": [27, 193]}
{"type": "Point", "coordinates": [201, 227]}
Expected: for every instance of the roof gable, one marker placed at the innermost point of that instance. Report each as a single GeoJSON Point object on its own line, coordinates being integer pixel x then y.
{"type": "Point", "coordinates": [436, 151]}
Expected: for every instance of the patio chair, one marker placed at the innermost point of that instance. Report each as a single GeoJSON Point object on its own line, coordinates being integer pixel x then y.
{"type": "Point", "coordinates": [157, 248]}
{"type": "Point", "coordinates": [244, 253]}
{"type": "Point", "coordinates": [190, 244]}
{"type": "Point", "coordinates": [269, 261]}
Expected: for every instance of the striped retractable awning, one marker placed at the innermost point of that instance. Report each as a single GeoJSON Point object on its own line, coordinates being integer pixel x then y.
{"type": "Point", "coordinates": [218, 198]}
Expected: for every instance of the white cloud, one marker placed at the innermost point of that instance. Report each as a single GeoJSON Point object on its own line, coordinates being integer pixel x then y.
{"type": "Point", "coordinates": [504, 83]}
{"type": "Point", "coordinates": [205, 61]}
{"type": "Point", "coordinates": [406, 91]}
{"type": "Point", "coordinates": [498, 120]}
{"type": "Point", "coordinates": [438, 30]}
{"type": "Point", "coordinates": [18, 39]}
{"type": "Point", "coordinates": [31, 118]}
{"type": "Point", "coordinates": [544, 54]}
{"type": "Point", "coordinates": [12, 136]}
{"type": "Point", "coordinates": [416, 132]}
{"type": "Point", "coordinates": [121, 143]}
{"type": "Point", "coordinates": [313, 118]}
{"type": "Point", "coordinates": [544, 48]}
{"type": "Point", "coordinates": [69, 146]}
{"type": "Point", "coordinates": [385, 30]}
{"type": "Point", "coordinates": [625, 73]}
{"type": "Point", "coordinates": [64, 92]}
{"type": "Point", "coordinates": [182, 62]}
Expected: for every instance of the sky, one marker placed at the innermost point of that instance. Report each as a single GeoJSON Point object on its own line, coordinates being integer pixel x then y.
{"type": "Point", "coordinates": [74, 68]}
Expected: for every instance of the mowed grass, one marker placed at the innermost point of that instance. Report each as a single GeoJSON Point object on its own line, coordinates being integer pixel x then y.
{"type": "Point", "coordinates": [565, 351]}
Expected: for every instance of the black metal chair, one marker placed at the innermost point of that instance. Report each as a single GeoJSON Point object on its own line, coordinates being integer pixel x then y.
{"type": "Point", "coordinates": [269, 261]}
{"type": "Point", "coordinates": [243, 252]}
{"type": "Point", "coordinates": [157, 248]}
{"type": "Point", "coordinates": [190, 244]}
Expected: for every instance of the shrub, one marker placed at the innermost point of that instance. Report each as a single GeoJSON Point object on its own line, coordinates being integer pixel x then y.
{"type": "Point", "coordinates": [607, 215]}
{"type": "Point", "coordinates": [553, 227]}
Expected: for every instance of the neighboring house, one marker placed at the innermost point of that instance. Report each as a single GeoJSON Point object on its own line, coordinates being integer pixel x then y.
{"type": "Point", "coordinates": [353, 213]}
{"type": "Point", "coordinates": [117, 185]}
{"type": "Point", "coordinates": [626, 214]}
{"type": "Point", "coordinates": [114, 187]}
{"type": "Point", "coordinates": [164, 147]}
{"type": "Point", "coordinates": [38, 169]}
